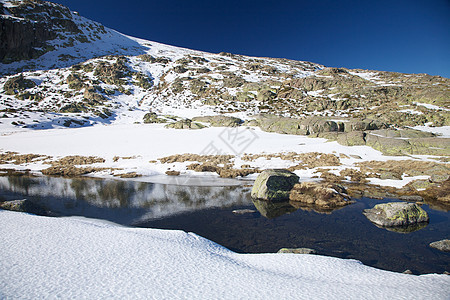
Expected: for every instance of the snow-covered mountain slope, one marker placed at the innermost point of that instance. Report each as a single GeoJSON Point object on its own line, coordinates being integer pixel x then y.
{"type": "Point", "coordinates": [85, 73]}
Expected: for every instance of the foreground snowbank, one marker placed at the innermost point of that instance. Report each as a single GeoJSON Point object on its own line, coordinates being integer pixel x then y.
{"type": "Point", "coordinates": [81, 258]}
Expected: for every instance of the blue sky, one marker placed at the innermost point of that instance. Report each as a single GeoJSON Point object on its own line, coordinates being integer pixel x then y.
{"type": "Point", "coordinates": [410, 36]}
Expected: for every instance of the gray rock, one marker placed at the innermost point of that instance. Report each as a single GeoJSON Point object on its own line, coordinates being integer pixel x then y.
{"type": "Point", "coordinates": [437, 178]}
{"type": "Point", "coordinates": [185, 124]}
{"type": "Point", "coordinates": [396, 214]}
{"type": "Point", "coordinates": [443, 245]}
{"type": "Point", "coordinates": [297, 250]}
{"type": "Point", "coordinates": [23, 205]}
{"type": "Point", "coordinates": [219, 121]}
{"type": "Point", "coordinates": [274, 185]}
{"type": "Point", "coordinates": [411, 198]}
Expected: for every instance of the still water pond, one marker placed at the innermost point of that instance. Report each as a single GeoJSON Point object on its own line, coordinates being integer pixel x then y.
{"type": "Point", "coordinates": [208, 211]}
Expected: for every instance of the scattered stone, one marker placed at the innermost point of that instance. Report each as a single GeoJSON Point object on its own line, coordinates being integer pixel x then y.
{"type": "Point", "coordinates": [408, 271]}
{"type": "Point", "coordinates": [129, 175]}
{"type": "Point", "coordinates": [396, 214]}
{"type": "Point", "coordinates": [415, 198]}
{"type": "Point", "coordinates": [172, 173]}
{"type": "Point", "coordinates": [243, 211]}
{"type": "Point", "coordinates": [443, 245]}
{"type": "Point", "coordinates": [297, 250]}
{"type": "Point", "coordinates": [274, 184]}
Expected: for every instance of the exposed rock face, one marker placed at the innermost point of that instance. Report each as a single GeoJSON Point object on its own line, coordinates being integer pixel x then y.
{"type": "Point", "coordinates": [28, 27]}
{"type": "Point", "coordinates": [185, 124]}
{"type": "Point", "coordinates": [443, 245]}
{"type": "Point", "coordinates": [274, 185]}
{"type": "Point", "coordinates": [19, 39]}
{"type": "Point", "coordinates": [152, 117]}
{"type": "Point", "coordinates": [219, 121]}
{"type": "Point", "coordinates": [16, 84]}
{"type": "Point", "coordinates": [319, 195]}
{"type": "Point", "coordinates": [23, 206]}
{"type": "Point", "coordinates": [297, 250]}
{"type": "Point", "coordinates": [396, 214]}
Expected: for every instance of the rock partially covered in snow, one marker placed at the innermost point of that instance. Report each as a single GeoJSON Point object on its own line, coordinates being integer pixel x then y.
{"type": "Point", "coordinates": [274, 185]}
{"type": "Point", "coordinates": [396, 214]}
{"type": "Point", "coordinates": [297, 250]}
{"type": "Point", "coordinates": [443, 245]}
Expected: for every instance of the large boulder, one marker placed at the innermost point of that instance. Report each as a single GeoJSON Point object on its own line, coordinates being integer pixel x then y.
{"type": "Point", "coordinates": [274, 185]}
{"type": "Point", "coordinates": [396, 214]}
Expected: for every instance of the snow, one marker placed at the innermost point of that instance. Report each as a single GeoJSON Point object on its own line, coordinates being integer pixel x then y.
{"type": "Point", "coordinates": [411, 111]}
{"type": "Point", "coordinates": [443, 131]}
{"type": "Point", "coordinates": [431, 106]}
{"type": "Point", "coordinates": [396, 183]}
{"type": "Point", "coordinates": [148, 142]}
{"type": "Point", "coordinates": [82, 258]}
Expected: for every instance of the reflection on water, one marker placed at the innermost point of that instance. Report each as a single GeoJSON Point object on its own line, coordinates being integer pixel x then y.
{"type": "Point", "coordinates": [125, 202]}
{"type": "Point", "coordinates": [273, 209]}
{"type": "Point", "coordinates": [405, 229]}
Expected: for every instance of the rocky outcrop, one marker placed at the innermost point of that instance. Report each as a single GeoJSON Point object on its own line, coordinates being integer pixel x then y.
{"type": "Point", "coordinates": [17, 84]}
{"type": "Point", "coordinates": [21, 39]}
{"type": "Point", "coordinates": [443, 245]}
{"type": "Point", "coordinates": [185, 124]}
{"type": "Point", "coordinates": [322, 196]}
{"type": "Point", "coordinates": [274, 185]}
{"type": "Point", "coordinates": [396, 214]}
{"type": "Point", "coordinates": [152, 117]}
{"type": "Point", "coordinates": [27, 26]}
{"type": "Point", "coordinates": [219, 121]}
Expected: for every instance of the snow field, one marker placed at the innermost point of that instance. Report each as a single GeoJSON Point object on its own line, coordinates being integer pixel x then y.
{"type": "Point", "coordinates": [75, 257]}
